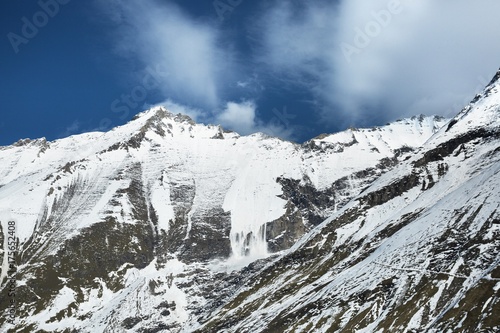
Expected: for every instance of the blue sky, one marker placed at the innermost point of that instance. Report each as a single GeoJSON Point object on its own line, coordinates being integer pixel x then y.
{"type": "Point", "coordinates": [294, 69]}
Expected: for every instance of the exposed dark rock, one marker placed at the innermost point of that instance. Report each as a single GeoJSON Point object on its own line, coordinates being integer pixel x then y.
{"type": "Point", "coordinates": [387, 193]}
{"type": "Point", "coordinates": [208, 238]}
{"type": "Point", "coordinates": [446, 148]}
{"type": "Point", "coordinates": [311, 202]}
{"type": "Point", "coordinates": [136, 140]}
{"type": "Point", "coordinates": [219, 135]}
{"type": "Point", "coordinates": [160, 327]}
{"type": "Point", "coordinates": [454, 120]}
{"type": "Point", "coordinates": [315, 205]}
{"type": "Point", "coordinates": [130, 322]}
{"type": "Point", "coordinates": [282, 233]}
{"type": "Point", "coordinates": [402, 151]}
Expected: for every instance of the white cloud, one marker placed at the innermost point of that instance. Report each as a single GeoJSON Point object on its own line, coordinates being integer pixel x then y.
{"type": "Point", "coordinates": [239, 117]}
{"type": "Point", "coordinates": [242, 118]}
{"type": "Point", "coordinates": [404, 57]}
{"type": "Point", "coordinates": [193, 53]}
{"type": "Point", "coordinates": [425, 57]}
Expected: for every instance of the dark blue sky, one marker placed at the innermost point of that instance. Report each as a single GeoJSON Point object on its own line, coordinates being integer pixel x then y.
{"type": "Point", "coordinates": [66, 77]}
{"type": "Point", "coordinates": [61, 75]}
{"type": "Point", "coordinates": [271, 66]}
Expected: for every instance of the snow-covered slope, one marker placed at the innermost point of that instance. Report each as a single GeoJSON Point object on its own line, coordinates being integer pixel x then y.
{"type": "Point", "coordinates": [163, 151]}
{"type": "Point", "coordinates": [417, 251]}
{"type": "Point", "coordinates": [149, 226]}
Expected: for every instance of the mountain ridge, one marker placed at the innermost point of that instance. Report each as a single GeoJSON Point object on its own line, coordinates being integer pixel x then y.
{"type": "Point", "coordinates": [150, 227]}
{"type": "Point", "coordinates": [316, 297]}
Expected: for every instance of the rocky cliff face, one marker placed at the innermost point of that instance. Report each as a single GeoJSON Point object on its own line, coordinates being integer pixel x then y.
{"type": "Point", "coordinates": [168, 225]}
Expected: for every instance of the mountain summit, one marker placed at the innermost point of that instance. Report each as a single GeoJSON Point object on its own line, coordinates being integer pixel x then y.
{"type": "Point", "coordinates": [163, 224]}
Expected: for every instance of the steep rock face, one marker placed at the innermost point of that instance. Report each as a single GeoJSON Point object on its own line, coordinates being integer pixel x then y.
{"type": "Point", "coordinates": [284, 232]}
{"type": "Point", "coordinates": [137, 228]}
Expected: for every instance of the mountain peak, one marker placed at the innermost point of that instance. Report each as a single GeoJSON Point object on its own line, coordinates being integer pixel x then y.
{"type": "Point", "coordinates": [28, 141]}
{"type": "Point", "coordinates": [160, 112]}
{"type": "Point", "coordinates": [158, 124]}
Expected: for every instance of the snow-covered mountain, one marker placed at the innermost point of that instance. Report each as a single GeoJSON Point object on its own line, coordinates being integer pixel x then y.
{"type": "Point", "coordinates": [416, 251]}
{"type": "Point", "coordinates": [167, 225]}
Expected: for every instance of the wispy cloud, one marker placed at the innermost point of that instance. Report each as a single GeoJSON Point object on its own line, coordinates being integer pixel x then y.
{"type": "Point", "coordinates": [240, 116]}
{"type": "Point", "coordinates": [194, 53]}
{"type": "Point", "coordinates": [403, 57]}
{"type": "Point", "coordinates": [200, 76]}
{"type": "Point", "coordinates": [423, 58]}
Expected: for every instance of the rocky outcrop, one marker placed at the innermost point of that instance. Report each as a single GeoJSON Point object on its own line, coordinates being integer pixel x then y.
{"type": "Point", "coordinates": [208, 237]}
{"type": "Point", "coordinates": [448, 147]}
{"type": "Point", "coordinates": [282, 233]}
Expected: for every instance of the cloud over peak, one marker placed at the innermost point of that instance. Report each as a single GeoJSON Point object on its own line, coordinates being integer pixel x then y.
{"type": "Point", "coordinates": [400, 57]}
{"type": "Point", "coordinates": [361, 62]}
